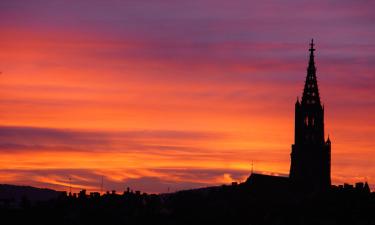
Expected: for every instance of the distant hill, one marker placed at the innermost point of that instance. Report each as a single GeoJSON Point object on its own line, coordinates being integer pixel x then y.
{"type": "Point", "coordinates": [15, 194]}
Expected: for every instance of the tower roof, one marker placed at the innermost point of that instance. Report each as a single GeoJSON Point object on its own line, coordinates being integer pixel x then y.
{"type": "Point", "coordinates": [311, 92]}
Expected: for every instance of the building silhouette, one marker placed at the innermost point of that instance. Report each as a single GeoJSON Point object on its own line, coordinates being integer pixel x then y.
{"type": "Point", "coordinates": [310, 168]}
{"type": "Point", "coordinates": [311, 155]}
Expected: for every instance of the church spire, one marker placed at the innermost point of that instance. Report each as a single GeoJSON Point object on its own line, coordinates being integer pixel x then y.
{"type": "Point", "coordinates": [310, 166]}
{"type": "Point", "coordinates": [311, 91]}
{"type": "Point", "coordinates": [311, 61]}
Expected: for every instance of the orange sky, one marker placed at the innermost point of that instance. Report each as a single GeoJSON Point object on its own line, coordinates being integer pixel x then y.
{"type": "Point", "coordinates": [153, 111]}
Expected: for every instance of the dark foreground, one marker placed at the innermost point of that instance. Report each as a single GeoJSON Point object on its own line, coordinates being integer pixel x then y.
{"type": "Point", "coordinates": [235, 204]}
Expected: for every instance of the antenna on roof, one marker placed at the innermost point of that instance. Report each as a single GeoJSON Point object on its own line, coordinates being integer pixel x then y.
{"type": "Point", "coordinates": [101, 185]}
{"type": "Point", "coordinates": [252, 166]}
{"type": "Point", "coordinates": [70, 185]}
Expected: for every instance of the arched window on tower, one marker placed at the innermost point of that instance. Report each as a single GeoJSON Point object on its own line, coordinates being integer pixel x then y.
{"type": "Point", "coordinates": [312, 121]}
{"type": "Point", "coordinates": [306, 120]}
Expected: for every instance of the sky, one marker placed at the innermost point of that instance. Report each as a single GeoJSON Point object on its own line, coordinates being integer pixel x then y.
{"type": "Point", "coordinates": [168, 95]}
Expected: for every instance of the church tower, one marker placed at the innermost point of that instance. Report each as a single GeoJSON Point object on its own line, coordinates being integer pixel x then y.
{"type": "Point", "coordinates": [310, 167]}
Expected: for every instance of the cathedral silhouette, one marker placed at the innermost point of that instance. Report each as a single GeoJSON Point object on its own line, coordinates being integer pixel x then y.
{"type": "Point", "coordinates": [310, 168]}
{"type": "Point", "coordinates": [311, 155]}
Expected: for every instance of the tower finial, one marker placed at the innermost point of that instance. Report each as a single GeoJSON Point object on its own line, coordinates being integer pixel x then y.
{"type": "Point", "coordinates": [312, 45]}
{"type": "Point", "coordinates": [312, 49]}
{"type": "Point", "coordinates": [311, 92]}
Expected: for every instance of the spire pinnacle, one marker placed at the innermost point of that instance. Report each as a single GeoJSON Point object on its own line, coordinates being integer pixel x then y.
{"type": "Point", "coordinates": [312, 46]}
{"type": "Point", "coordinates": [311, 61]}
{"type": "Point", "coordinates": [311, 92]}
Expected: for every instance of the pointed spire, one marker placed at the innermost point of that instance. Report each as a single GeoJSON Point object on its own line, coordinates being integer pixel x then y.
{"type": "Point", "coordinates": [311, 91]}
{"type": "Point", "coordinates": [311, 60]}
{"type": "Point", "coordinates": [328, 140]}
{"type": "Point", "coordinates": [312, 49]}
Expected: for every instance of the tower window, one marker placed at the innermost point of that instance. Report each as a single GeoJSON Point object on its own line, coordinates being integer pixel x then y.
{"type": "Point", "coordinates": [306, 120]}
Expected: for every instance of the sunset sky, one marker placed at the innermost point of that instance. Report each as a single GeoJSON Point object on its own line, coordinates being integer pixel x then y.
{"type": "Point", "coordinates": [159, 95]}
